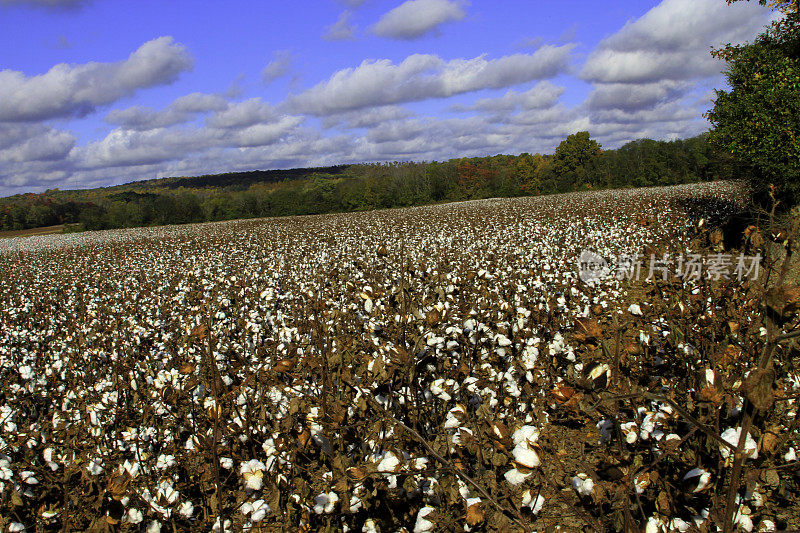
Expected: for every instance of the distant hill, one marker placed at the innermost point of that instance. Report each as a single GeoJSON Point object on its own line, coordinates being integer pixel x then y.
{"type": "Point", "coordinates": [236, 180]}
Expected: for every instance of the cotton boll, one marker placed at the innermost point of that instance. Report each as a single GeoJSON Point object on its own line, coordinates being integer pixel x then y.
{"type": "Point", "coordinates": [732, 435]}
{"type": "Point", "coordinates": [535, 504]}
{"type": "Point", "coordinates": [324, 503]}
{"type": "Point", "coordinates": [526, 435]}
{"type": "Point", "coordinates": [583, 484]}
{"type": "Point", "coordinates": [259, 510]}
{"type": "Point", "coordinates": [766, 525]}
{"type": "Point", "coordinates": [133, 516]}
{"type": "Point", "coordinates": [253, 473]}
{"type": "Point", "coordinates": [516, 477]}
{"type": "Point", "coordinates": [186, 509]}
{"type": "Point", "coordinates": [635, 309]}
{"type": "Point", "coordinates": [525, 456]}
{"type": "Point", "coordinates": [790, 456]}
{"type": "Point", "coordinates": [698, 478]}
{"type": "Point", "coordinates": [423, 525]}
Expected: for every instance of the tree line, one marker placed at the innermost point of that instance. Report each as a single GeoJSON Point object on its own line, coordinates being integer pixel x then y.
{"type": "Point", "coordinates": [578, 163]}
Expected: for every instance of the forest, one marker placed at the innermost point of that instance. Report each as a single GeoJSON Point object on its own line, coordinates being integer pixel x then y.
{"type": "Point", "coordinates": [579, 163]}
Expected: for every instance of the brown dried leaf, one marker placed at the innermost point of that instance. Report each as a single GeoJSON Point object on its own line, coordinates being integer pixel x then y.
{"type": "Point", "coordinates": [758, 388]}
{"type": "Point", "coordinates": [587, 330]}
{"type": "Point", "coordinates": [475, 514]}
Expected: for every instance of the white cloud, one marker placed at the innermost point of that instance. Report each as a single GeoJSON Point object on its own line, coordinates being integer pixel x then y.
{"type": "Point", "coordinates": [415, 18]}
{"type": "Point", "coordinates": [278, 67]}
{"type": "Point", "coordinates": [672, 41]}
{"type": "Point", "coordinates": [21, 143]}
{"type": "Point", "coordinates": [541, 96]}
{"type": "Point", "coordinates": [341, 30]}
{"type": "Point", "coordinates": [181, 110]}
{"type": "Point", "coordinates": [365, 119]}
{"type": "Point", "coordinates": [76, 90]}
{"type": "Point", "coordinates": [634, 96]}
{"type": "Point", "coordinates": [422, 76]}
{"type": "Point", "coordinates": [199, 103]}
{"type": "Point", "coordinates": [243, 114]}
{"type": "Point", "coordinates": [250, 123]}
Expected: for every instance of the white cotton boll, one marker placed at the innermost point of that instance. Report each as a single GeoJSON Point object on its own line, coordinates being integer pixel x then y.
{"type": "Point", "coordinates": [653, 525]}
{"type": "Point", "coordinates": [133, 516]}
{"type": "Point", "coordinates": [167, 492]}
{"type": "Point", "coordinates": [583, 484]}
{"type": "Point", "coordinates": [630, 430]}
{"type": "Point", "coordinates": [534, 504]}
{"type": "Point", "coordinates": [423, 525]}
{"type": "Point", "coordinates": [259, 510]}
{"type": "Point", "coordinates": [678, 524]}
{"type": "Point", "coordinates": [355, 504]}
{"type": "Point", "coordinates": [703, 477]}
{"type": "Point", "coordinates": [454, 417]}
{"type": "Point", "coordinates": [732, 436]}
{"type": "Point", "coordinates": [790, 456]}
{"type": "Point", "coordinates": [766, 525]}
{"type": "Point", "coordinates": [253, 473]}
{"type": "Point", "coordinates": [745, 522]}
{"type": "Point", "coordinates": [14, 527]}
{"type": "Point", "coordinates": [224, 527]}
{"type": "Point", "coordinates": [502, 340]}
{"type": "Point", "coordinates": [186, 509]}
{"type": "Point", "coordinates": [165, 461]}
{"type": "Point", "coordinates": [634, 309]}
{"type": "Point", "coordinates": [516, 477]}
{"type": "Point", "coordinates": [153, 526]}
{"type": "Point", "coordinates": [324, 503]}
{"type": "Point", "coordinates": [28, 477]}
{"type": "Point", "coordinates": [525, 434]}
{"type": "Point", "coordinates": [26, 372]}
{"type": "Point", "coordinates": [525, 456]}
{"type": "Point", "coordinates": [389, 463]}
{"type": "Point", "coordinates": [94, 467]}
{"type": "Point", "coordinates": [226, 463]}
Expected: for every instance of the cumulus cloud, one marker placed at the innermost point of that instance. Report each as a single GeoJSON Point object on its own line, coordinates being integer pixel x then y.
{"type": "Point", "coordinates": [424, 76]}
{"type": "Point", "coordinates": [341, 30]}
{"type": "Point", "coordinates": [181, 110]}
{"type": "Point", "coordinates": [634, 96]}
{"type": "Point", "coordinates": [278, 67]}
{"type": "Point", "coordinates": [414, 18]}
{"type": "Point", "coordinates": [236, 125]}
{"type": "Point", "coordinates": [541, 96]}
{"type": "Point", "coordinates": [33, 142]}
{"type": "Point", "coordinates": [365, 119]}
{"type": "Point", "coordinates": [647, 75]}
{"type": "Point", "coordinates": [672, 41]}
{"type": "Point", "coordinates": [77, 90]}
{"type": "Point", "coordinates": [243, 114]}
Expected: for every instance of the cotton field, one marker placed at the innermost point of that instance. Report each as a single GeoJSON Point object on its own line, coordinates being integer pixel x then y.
{"type": "Point", "coordinates": [440, 368]}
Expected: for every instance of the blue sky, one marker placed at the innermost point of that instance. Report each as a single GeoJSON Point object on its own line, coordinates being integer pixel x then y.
{"type": "Point", "coordinates": [100, 92]}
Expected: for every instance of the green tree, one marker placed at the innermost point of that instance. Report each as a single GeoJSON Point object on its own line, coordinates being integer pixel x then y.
{"type": "Point", "coordinates": [758, 119]}
{"type": "Point", "coordinates": [576, 158]}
